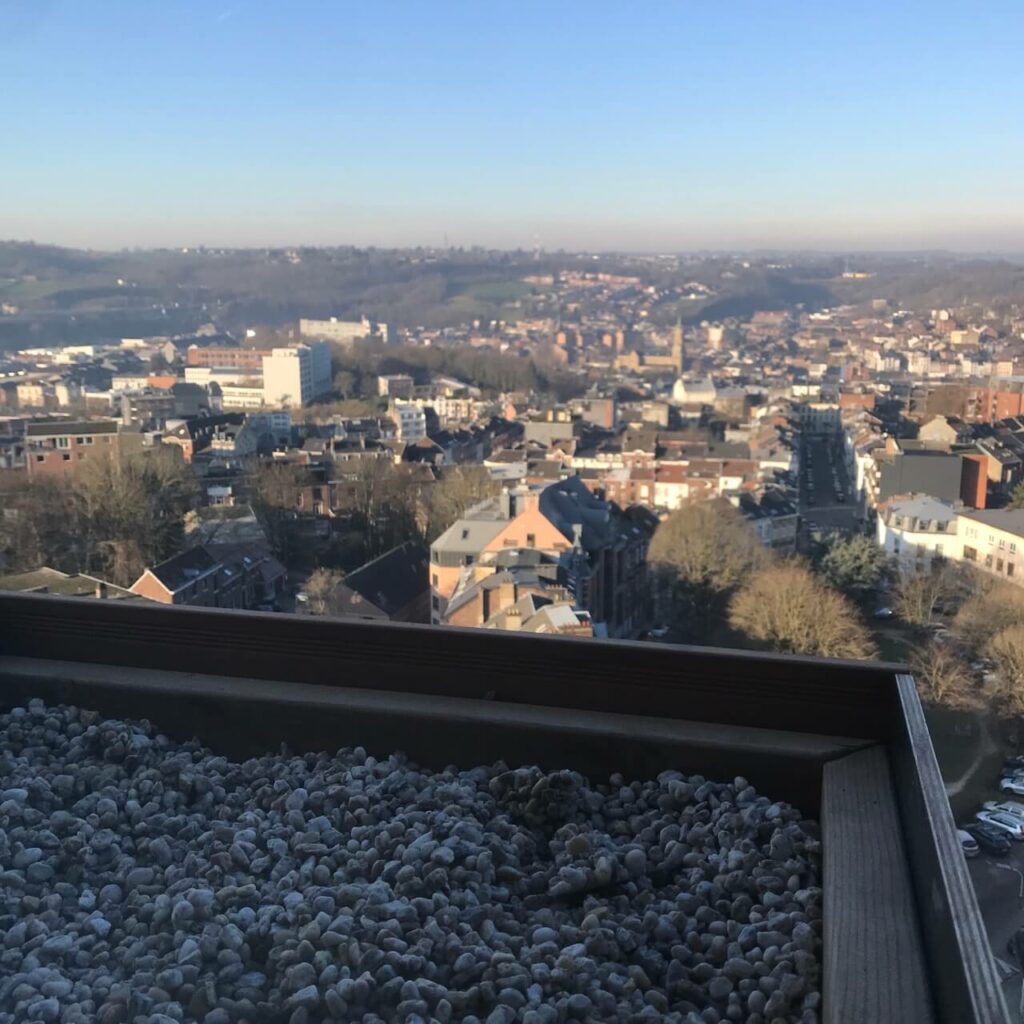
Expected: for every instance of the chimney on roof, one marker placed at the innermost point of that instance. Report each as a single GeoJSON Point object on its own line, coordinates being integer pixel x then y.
{"type": "Point", "coordinates": [101, 590]}
{"type": "Point", "coordinates": [506, 594]}
{"type": "Point", "coordinates": [513, 620]}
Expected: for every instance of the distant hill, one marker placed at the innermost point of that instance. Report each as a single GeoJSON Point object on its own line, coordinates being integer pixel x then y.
{"type": "Point", "coordinates": [76, 295]}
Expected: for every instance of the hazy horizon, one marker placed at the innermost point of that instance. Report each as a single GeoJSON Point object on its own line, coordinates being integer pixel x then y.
{"type": "Point", "coordinates": [667, 128]}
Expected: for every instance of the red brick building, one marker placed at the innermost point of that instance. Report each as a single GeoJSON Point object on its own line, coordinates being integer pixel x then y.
{"type": "Point", "coordinates": [58, 448]}
{"type": "Point", "coordinates": [225, 357]}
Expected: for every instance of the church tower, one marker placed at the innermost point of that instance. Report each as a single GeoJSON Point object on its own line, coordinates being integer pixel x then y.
{"type": "Point", "coordinates": [678, 355]}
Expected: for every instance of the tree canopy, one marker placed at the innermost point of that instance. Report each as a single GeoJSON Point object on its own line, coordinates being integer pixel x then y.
{"type": "Point", "coordinates": [111, 519]}
{"type": "Point", "coordinates": [789, 610]}
{"type": "Point", "coordinates": [698, 556]}
{"type": "Point", "coordinates": [1006, 649]}
{"type": "Point", "coordinates": [943, 678]}
{"type": "Point", "coordinates": [854, 565]}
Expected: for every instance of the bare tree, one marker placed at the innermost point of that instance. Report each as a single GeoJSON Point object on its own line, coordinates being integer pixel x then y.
{"type": "Point", "coordinates": [943, 678]}
{"type": "Point", "coordinates": [994, 607]}
{"type": "Point", "coordinates": [790, 610]}
{"type": "Point", "coordinates": [274, 489]}
{"type": "Point", "coordinates": [458, 489]}
{"type": "Point", "coordinates": [918, 595]}
{"type": "Point", "coordinates": [322, 591]}
{"type": "Point", "coordinates": [381, 504]}
{"type": "Point", "coordinates": [698, 556]}
{"type": "Point", "coordinates": [1006, 649]}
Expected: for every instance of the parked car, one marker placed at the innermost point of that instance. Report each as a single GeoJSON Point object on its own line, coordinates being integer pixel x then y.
{"type": "Point", "coordinates": [967, 843]}
{"type": "Point", "coordinates": [1013, 807]}
{"type": "Point", "coordinates": [1015, 946]}
{"type": "Point", "coordinates": [884, 613]}
{"type": "Point", "coordinates": [1012, 784]}
{"type": "Point", "coordinates": [1012, 764]}
{"type": "Point", "coordinates": [989, 838]}
{"type": "Point", "coordinates": [1013, 827]}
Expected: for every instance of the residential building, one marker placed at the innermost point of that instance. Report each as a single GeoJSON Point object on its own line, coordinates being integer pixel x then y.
{"type": "Point", "coordinates": [602, 548]}
{"type": "Point", "coordinates": [527, 592]}
{"type": "Point", "coordinates": [58, 448]}
{"type": "Point", "coordinates": [918, 531]}
{"type": "Point", "coordinates": [195, 434]}
{"type": "Point", "coordinates": [64, 584]}
{"type": "Point", "coordinates": [224, 576]}
{"type": "Point", "coordinates": [818, 417]}
{"type": "Point", "coordinates": [296, 376]}
{"type": "Point", "coordinates": [344, 332]}
{"type": "Point", "coordinates": [395, 385]}
{"type": "Point", "coordinates": [394, 587]}
{"type": "Point", "coordinates": [225, 357]}
{"type": "Point", "coordinates": [243, 397]}
{"type": "Point", "coordinates": [410, 419]}
{"type": "Point", "coordinates": [993, 540]}
{"type": "Point", "coordinates": [773, 516]}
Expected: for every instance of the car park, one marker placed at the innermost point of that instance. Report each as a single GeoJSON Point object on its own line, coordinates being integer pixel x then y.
{"type": "Point", "coordinates": [1012, 784]}
{"type": "Point", "coordinates": [968, 843]}
{"type": "Point", "coordinates": [1013, 827]}
{"type": "Point", "coordinates": [989, 839]}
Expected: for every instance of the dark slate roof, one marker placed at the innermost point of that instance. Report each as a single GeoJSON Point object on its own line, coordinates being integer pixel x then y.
{"type": "Point", "coordinates": [393, 580]}
{"type": "Point", "coordinates": [183, 568]}
{"type": "Point", "coordinates": [67, 427]}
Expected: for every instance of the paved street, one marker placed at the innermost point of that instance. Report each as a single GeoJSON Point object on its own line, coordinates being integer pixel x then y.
{"type": "Point", "coordinates": [822, 465]}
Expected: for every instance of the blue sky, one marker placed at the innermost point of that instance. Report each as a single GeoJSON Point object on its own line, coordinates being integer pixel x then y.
{"type": "Point", "coordinates": [650, 125]}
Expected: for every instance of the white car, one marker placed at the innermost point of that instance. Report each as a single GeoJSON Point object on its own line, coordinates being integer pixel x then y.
{"type": "Point", "coordinates": [1005, 807]}
{"type": "Point", "coordinates": [1013, 827]}
{"type": "Point", "coordinates": [1012, 784]}
{"type": "Point", "coordinates": [967, 843]}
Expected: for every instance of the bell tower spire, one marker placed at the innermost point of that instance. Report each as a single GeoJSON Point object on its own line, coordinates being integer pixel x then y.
{"type": "Point", "coordinates": [678, 354]}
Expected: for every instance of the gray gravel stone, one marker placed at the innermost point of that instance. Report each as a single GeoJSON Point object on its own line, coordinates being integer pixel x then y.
{"type": "Point", "coordinates": [151, 880]}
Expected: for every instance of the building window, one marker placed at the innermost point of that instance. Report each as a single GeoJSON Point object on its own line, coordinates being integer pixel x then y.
{"type": "Point", "coordinates": [531, 540]}
{"type": "Point", "coordinates": [40, 458]}
{"type": "Point", "coordinates": [1009, 568]}
{"type": "Point", "coordinates": [988, 561]}
{"type": "Point", "coordinates": [63, 442]}
{"type": "Point", "coordinates": [433, 580]}
{"type": "Point", "coordinates": [1013, 549]}
{"type": "Point", "coordinates": [1002, 545]}
{"type": "Point", "coordinates": [970, 554]}
{"type": "Point", "coordinates": [66, 456]}
{"type": "Point", "coordinates": [938, 549]}
{"type": "Point", "coordinates": [999, 565]}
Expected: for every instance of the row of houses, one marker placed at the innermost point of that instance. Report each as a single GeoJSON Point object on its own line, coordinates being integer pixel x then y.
{"type": "Point", "coordinates": [921, 531]}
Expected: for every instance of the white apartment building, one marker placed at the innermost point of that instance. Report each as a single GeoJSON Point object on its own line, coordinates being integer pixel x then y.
{"type": "Point", "coordinates": [395, 385]}
{"type": "Point", "coordinates": [410, 419]}
{"type": "Point", "coordinates": [817, 417]}
{"type": "Point", "coordinates": [296, 376]}
{"type": "Point", "coordinates": [246, 397]}
{"type": "Point", "coordinates": [129, 382]}
{"type": "Point", "coordinates": [225, 376]}
{"type": "Point", "coordinates": [342, 331]}
{"type": "Point", "coordinates": [993, 540]}
{"type": "Point", "coordinates": [917, 531]}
